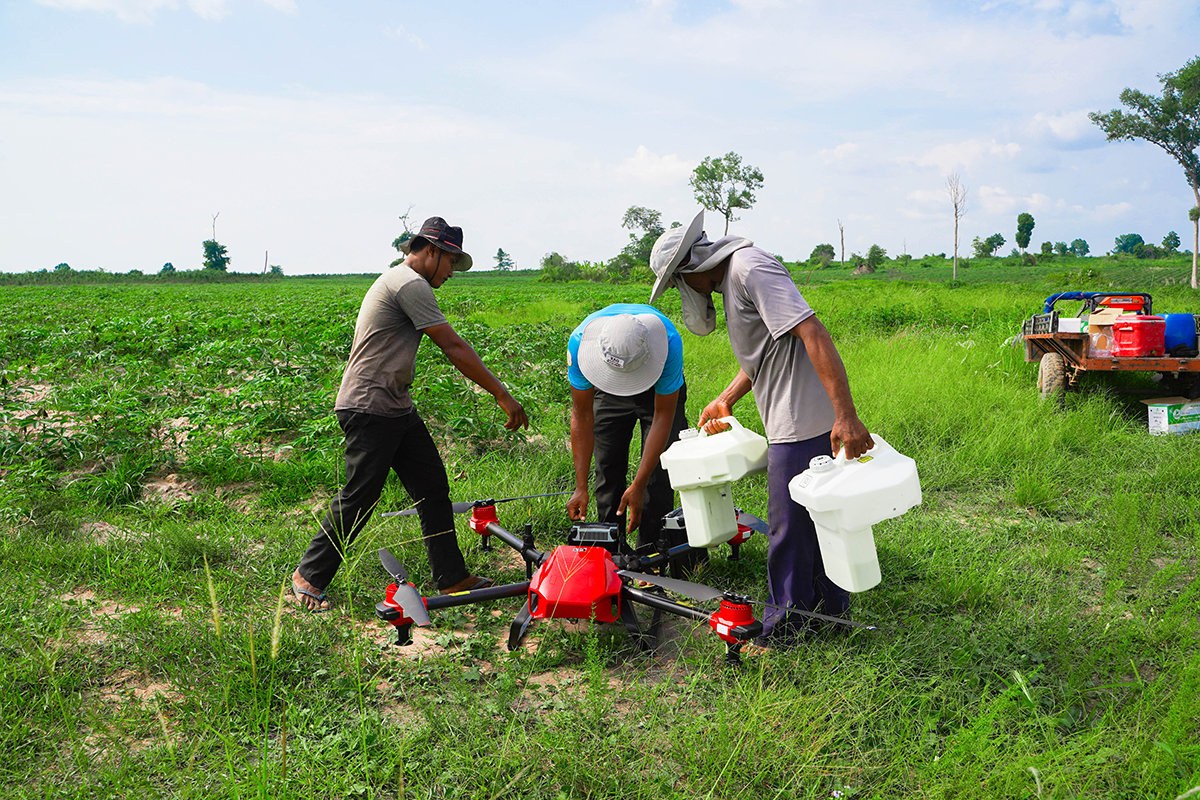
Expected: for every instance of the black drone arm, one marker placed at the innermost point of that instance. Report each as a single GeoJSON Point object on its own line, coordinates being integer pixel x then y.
{"type": "Point", "coordinates": [742, 633]}
{"type": "Point", "coordinates": [531, 554]}
{"type": "Point", "coordinates": [477, 595]}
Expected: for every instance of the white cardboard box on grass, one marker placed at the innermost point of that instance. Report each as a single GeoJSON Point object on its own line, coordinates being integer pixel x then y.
{"type": "Point", "coordinates": [1173, 415]}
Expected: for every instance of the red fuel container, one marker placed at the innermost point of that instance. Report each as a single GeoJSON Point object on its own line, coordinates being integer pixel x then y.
{"type": "Point", "coordinates": [1139, 337]}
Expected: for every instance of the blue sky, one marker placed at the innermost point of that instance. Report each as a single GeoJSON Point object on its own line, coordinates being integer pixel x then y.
{"type": "Point", "coordinates": [310, 127]}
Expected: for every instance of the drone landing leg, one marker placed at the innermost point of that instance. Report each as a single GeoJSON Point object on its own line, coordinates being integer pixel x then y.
{"type": "Point", "coordinates": [645, 640]}
{"type": "Point", "coordinates": [733, 654]}
{"type": "Point", "coordinates": [404, 635]}
{"type": "Point", "coordinates": [520, 624]}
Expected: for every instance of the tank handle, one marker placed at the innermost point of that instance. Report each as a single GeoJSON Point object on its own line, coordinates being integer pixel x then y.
{"type": "Point", "coordinates": [733, 423]}
{"type": "Point", "coordinates": [840, 456]}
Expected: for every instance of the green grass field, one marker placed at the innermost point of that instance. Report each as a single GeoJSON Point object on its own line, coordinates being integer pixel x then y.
{"type": "Point", "coordinates": [165, 449]}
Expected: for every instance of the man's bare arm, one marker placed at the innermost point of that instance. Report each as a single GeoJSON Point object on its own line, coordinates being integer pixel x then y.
{"type": "Point", "coordinates": [848, 429]}
{"type": "Point", "coordinates": [468, 362]}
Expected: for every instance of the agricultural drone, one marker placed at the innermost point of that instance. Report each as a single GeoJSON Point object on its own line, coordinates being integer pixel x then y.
{"type": "Point", "coordinates": [595, 576]}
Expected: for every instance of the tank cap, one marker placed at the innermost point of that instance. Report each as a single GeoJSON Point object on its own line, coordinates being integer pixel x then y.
{"type": "Point", "coordinates": [821, 464]}
{"type": "Point", "coordinates": [688, 433]}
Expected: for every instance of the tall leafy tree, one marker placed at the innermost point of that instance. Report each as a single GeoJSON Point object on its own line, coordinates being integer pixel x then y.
{"type": "Point", "coordinates": [1171, 121]}
{"type": "Point", "coordinates": [724, 185]}
{"type": "Point", "coordinates": [1170, 242]}
{"type": "Point", "coordinates": [646, 226]}
{"type": "Point", "coordinates": [215, 257]}
{"type": "Point", "coordinates": [1127, 243]}
{"type": "Point", "coordinates": [1080, 247]}
{"type": "Point", "coordinates": [823, 253]}
{"type": "Point", "coordinates": [1024, 230]}
{"type": "Point", "coordinates": [504, 261]}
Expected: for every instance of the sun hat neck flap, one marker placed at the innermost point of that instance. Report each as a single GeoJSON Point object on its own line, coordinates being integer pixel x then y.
{"type": "Point", "coordinates": [670, 250]}
{"type": "Point", "coordinates": [624, 354]}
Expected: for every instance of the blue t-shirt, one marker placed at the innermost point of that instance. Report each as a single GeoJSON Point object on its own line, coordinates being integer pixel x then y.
{"type": "Point", "coordinates": [672, 373]}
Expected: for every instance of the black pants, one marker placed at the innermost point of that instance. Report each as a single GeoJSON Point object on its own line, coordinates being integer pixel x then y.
{"type": "Point", "coordinates": [375, 445]}
{"type": "Point", "coordinates": [613, 420]}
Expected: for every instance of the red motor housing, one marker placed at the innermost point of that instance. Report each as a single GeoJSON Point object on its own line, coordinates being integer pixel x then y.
{"type": "Point", "coordinates": [481, 516]}
{"type": "Point", "coordinates": [576, 583]}
{"type": "Point", "coordinates": [730, 615]}
{"type": "Point", "coordinates": [744, 532]}
{"type": "Point", "coordinates": [390, 600]}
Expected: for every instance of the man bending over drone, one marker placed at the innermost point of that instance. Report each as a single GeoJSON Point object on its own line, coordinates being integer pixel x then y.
{"type": "Point", "coordinates": [383, 430]}
{"type": "Point", "coordinates": [625, 367]}
{"type": "Point", "coordinates": [788, 359]}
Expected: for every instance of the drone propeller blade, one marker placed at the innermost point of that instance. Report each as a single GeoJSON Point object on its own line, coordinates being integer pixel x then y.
{"type": "Point", "coordinates": [815, 615]}
{"type": "Point", "coordinates": [392, 565]}
{"type": "Point", "coordinates": [464, 507]}
{"type": "Point", "coordinates": [410, 602]}
{"type": "Point", "coordinates": [700, 592]}
{"type": "Point", "coordinates": [457, 508]}
{"type": "Point", "coordinates": [696, 591]}
{"type": "Point", "coordinates": [752, 522]}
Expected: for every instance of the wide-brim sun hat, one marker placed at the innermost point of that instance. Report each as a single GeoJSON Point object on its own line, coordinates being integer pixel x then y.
{"type": "Point", "coordinates": [669, 251]}
{"type": "Point", "coordinates": [623, 354]}
{"type": "Point", "coordinates": [446, 237]}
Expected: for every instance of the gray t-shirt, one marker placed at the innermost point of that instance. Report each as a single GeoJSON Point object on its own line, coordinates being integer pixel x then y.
{"type": "Point", "coordinates": [398, 306]}
{"type": "Point", "coordinates": [762, 305]}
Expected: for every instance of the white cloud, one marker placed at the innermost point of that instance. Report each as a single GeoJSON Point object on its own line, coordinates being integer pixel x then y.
{"type": "Point", "coordinates": [996, 200]}
{"type": "Point", "coordinates": [400, 33]}
{"type": "Point", "coordinates": [125, 10]}
{"type": "Point", "coordinates": [647, 167]}
{"type": "Point", "coordinates": [1110, 211]}
{"type": "Point", "coordinates": [1069, 126]}
{"type": "Point", "coordinates": [208, 9]}
{"type": "Point", "coordinates": [838, 153]}
{"type": "Point", "coordinates": [966, 155]}
{"type": "Point", "coordinates": [144, 10]}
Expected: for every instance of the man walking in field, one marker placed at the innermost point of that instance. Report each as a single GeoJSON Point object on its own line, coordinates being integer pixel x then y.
{"type": "Point", "coordinates": [786, 356]}
{"type": "Point", "coordinates": [625, 367]}
{"type": "Point", "coordinates": [383, 430]}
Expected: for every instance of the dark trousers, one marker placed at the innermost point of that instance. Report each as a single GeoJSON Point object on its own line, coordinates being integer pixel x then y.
{"type": "Point", "coordinates": [375, 445]}
{"type": "Point", "coordinates": [613, 420]}
{"type": "Point", "coordinates": [795, 573]}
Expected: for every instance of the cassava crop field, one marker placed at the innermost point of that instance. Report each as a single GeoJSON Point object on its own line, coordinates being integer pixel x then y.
{"type": "Point", "coordinates": [166, 450]}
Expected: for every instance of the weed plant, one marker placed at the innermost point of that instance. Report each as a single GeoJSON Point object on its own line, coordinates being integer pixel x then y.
{"type": "Point", "coordinates": [166, 450]}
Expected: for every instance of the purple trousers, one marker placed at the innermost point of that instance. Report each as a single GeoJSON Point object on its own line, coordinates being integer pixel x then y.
{"type": "Point", "coordinates": [795, 574]}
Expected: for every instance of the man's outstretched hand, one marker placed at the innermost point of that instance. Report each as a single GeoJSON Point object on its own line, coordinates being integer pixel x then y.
{"type": "Point", "coordinates": [515, 411]}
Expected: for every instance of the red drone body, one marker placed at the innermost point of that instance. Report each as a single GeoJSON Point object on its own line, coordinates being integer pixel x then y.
{"type": "Point", "coordinates": [576, 583]}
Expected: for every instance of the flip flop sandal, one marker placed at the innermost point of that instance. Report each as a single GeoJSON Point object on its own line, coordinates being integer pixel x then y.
{"type": "Point", "coordinates": [320, 598]}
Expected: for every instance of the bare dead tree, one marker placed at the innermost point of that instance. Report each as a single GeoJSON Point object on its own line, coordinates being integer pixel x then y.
{"type": "Point", "coordinates": [958, 199]}
{"type": "Point", "coordinates": [842, 233]}
{"type": "Point", "coordinates": [215, 225]}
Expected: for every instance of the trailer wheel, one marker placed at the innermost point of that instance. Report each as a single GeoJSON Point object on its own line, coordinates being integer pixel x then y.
{"type": "Point", "coordinates": [1052, 376]}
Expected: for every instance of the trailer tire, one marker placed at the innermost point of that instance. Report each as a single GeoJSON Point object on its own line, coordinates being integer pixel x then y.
{"type": "Point", "coordinates": [1052, 376]}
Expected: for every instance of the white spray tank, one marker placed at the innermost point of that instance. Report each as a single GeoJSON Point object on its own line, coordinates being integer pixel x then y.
{"type": "Point", "coordinates": [701, 467]}
{"type": "Point", "coordinates": [846, 497]}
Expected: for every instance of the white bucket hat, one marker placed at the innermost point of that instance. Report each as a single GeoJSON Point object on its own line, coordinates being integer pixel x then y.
{"type": "Point", "coordinates": [623, 354]}
{"type": "Point", "coordinates": [670, 250]}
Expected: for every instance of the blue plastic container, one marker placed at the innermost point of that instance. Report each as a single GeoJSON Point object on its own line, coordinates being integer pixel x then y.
{"type": "Point", "coordinates": [1181, 329]}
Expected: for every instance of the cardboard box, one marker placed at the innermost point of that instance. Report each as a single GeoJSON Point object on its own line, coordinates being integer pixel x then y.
{"type": "Point", "coordinates": [1173, 415]}
{"type": "Point", "coordinates": [1100, 332]}
{"type": "Point", "coordinates": [1072, 325]}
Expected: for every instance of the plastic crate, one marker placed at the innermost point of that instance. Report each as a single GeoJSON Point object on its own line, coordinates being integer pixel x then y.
{"type": "Point", "coordinates": [1040, 323]}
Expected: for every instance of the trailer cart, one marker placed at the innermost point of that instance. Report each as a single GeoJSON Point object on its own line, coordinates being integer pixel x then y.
{"type": "Point", "coordinates": [1063, 356]}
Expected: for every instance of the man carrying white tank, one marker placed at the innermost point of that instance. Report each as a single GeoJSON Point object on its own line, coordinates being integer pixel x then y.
{"type": "Point", "coordinates": [787, 357]}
